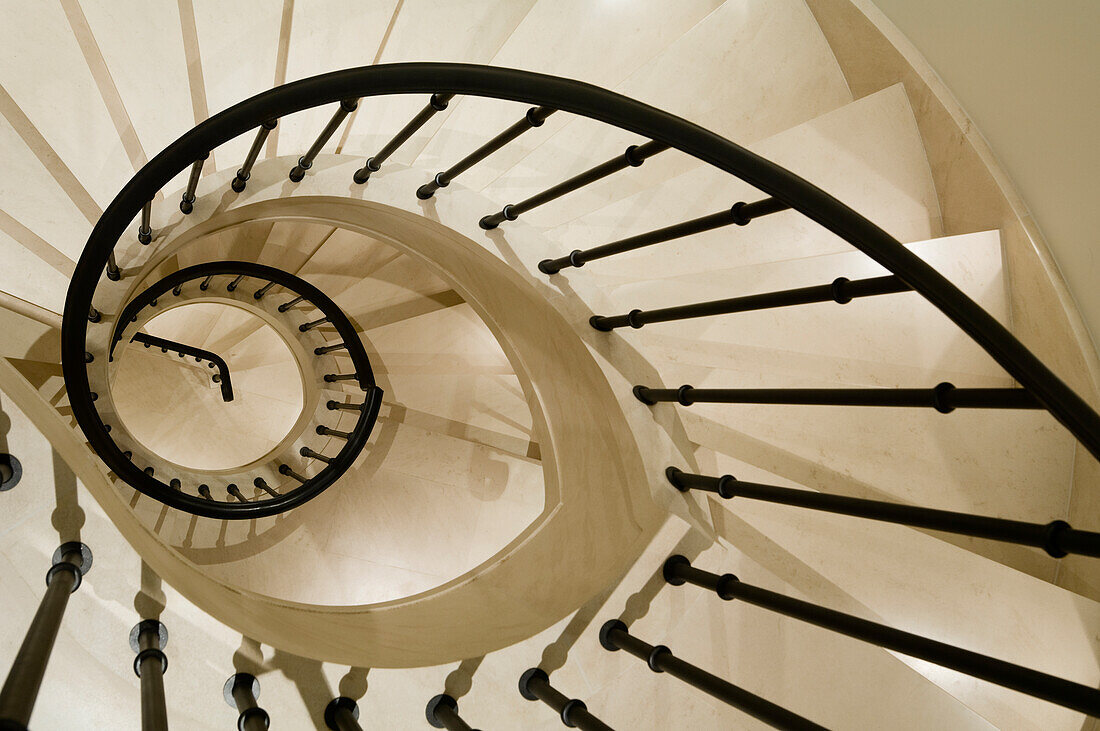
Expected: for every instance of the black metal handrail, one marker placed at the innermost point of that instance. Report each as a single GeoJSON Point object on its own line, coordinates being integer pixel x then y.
{"type": "Point", "coordinates": [568, 96]}
{"type": "Point", "coordinates": [309, 487]}
{"type": "Point", "coordinates": [198, 354]}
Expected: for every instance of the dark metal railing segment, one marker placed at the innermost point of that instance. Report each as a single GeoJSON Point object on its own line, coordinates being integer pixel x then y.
{"type": "Point", "coordinates": [241, 692]}
{"type": "Point", "coordinates": [148, 639]}
{"type": "Point", "coordinates": [342, 714]}
{"type": "Point", "coordinates": [678, 570]}
{"type": "Point", "coordinates": [436, 104]}
{"type": "Point", "coordinates": [634, 156]}
{"type": "Point", "coordinates": [305, 162]}
{"type": "Point", "coordinates": [534, 685]}
{"type": "Point", "coordinates": [614, 636]}
{"type": "Point", "coordinates": [71, 561]}
{"type": "Point", "coordinates": [215, 360]}
{"type": "Point", "coordinates": [206, 505]}
{"type": "Point", "coordinates": [841, 290]}
{"type": "Point", "coordinates": [740, 214]}
{"type": "Point", "coordinates": [944, 398]}
{"type": "Point", "coordinates": [442, 712]}
{"type": "Point", "coordinates": [535, 117]}
{"type": "Point", "coordinates": [1057, 537]}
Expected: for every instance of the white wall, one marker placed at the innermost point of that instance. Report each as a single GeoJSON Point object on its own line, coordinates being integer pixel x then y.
{"type": "Point", "coordinates": [1028, 73]}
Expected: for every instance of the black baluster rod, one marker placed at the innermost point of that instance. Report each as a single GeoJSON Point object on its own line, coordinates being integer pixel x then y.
{"type": "Point", "coordinates": [334, 377]}
{"type": "Point", "coordinates": [233, 285]}
{"type": "Point", "coordinates": [263, 290]}
{"type": "Point", "coordinates": [287, 305]}
{"type": "Point", "coordinates": [437, 103]}
{"type": "Point", "coordinates": [145, 231]}
{"type": "Point", "coordinates": [188, 203]}
{"type": "Point", "coordinates": [334, 405]}
{"type": "Point", "coordinates": [307, 326]}
{"type": "Point", "coordinates": [1057, 537]}
{"type": "Point", "coordinates": [678, 570]}
{"type": "Point", "coordinates": [326, 432]}
{"type": "Point", "coordinates": [71, 561]}
{"type": "Point", "coordinates": [534, 117]}
{"type": "Point", "coordinates": [634, 156]}
{"type": "Point", "coordinates": [442, 712]}
{"type": "Point", "coordinates": [534, 685]}
{"type": "Point", "coordinates": [177, 290]}
{"type": "Point", "coordinates": [94, 315]}
{"type": "Point", "coordinates": [841, 290]}
{"type": "Point", "coordinates": [740, 214]}
{"type": "Point", "coordinates": [175, 484]}
{"type": "Point", "coordinates": [614, 635]}
{"type": "Point", "coordinates": [305, 162]}
{"type": "Point", "coordinates": [307, 452]}
{"type": "Point", "coordinates": [245, 171]}
{"type": "Point", "coordinates": [113, 272]}
{"type": "Point", "coordinates": [329, 348]}
{"type": "Point", "coordinates": [262, 484]}
{"type": "Point", "coordinates": [342, 714]}
{"type": "Point", "coordinates": [204, 490]}
{"type": "Point", "coordinates": [148, 639]}
{"type": "Point", "coordinates": [944, 398]}
{"type": "Point", "coordinates": [235, 491]}
{"type": "Point", "coordinates": [284, 469]}
{"type": "Point", "coordinates": [205, 284]}
{"type": "Point", "coordinates": [241, 692]}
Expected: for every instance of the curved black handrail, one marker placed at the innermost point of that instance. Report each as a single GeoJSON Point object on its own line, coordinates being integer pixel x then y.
{"type": "Point", "coordinates": [569, 96]}
{"type": "Point", "coordinates": [164, 344]}
{"type": "Point", "coordinates": [311, 487]}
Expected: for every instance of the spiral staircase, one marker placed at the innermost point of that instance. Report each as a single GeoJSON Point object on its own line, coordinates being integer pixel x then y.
{"type": "Point", "coordinates": [368, 387]}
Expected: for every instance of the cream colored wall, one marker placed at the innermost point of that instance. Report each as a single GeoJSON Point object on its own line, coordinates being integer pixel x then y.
{"type": "Point", "coordinates": [1027, 74]}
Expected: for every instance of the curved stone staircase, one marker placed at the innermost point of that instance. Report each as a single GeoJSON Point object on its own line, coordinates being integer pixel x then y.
{"type": "Point", "coordinates": [476, 458]}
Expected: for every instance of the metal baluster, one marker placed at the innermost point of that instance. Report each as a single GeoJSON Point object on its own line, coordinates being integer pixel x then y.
{"type": "Point", "coordinates": [945, 398]}
{"type": "Point", "coordinates": [334, 377]}
{"type": "Point", "coordinates": [534, 685]}
{"type": "Point", "coordinates": [634, 156]}
{"type": "Point", "coordinates": [113, 272]}
{"type": "Point", "coordinates": [437, 103]}
{"type": "Point", "coordinates": [263, 290]}
{"type": "Point", "coordinates": [305, 162]}
{"type": "Point", "coordinates": [148, 639]}
{"type": "Point", "coordinates": [615, 636]}
{"type": "Point", "coordinates": [326, 432]}
{"type": "Point", "coordinates": [71, 561]}
{"type": "Point", "coordinates": [262, 484]}
{"type": "Point", "coordinates": [329, 348]}
{"type": "Point", "coordinates": [205, 285]}
{"type": "Point", "coordinates": [442, 712]}
{"type": "Point", "coordinates": [235, 491]}
{"type": "Point", "coordinates": [285, 469]}
{"type": "Point", "coordinates": [233, 285]}
{"type": "Point", "coordinates": [336, 405]}
{"type": "Point", "coordinates": [287, 305]}
{"type": "Point", "coordinates": [145, 231]}
{"type": "Point", "coordinates": [188, 203]}
{"type": "Point", "coordinates": [534, 118]}
{"type": "Point", "coordinates": [307, 452]}
{"type": "Point", "coordinates": [245, 171]}
{"type": "Point", "coordinates": [306, 327]}
{"type": "Point", "coordinates": [740, 214]}
{"type": "Point", "coordinates": [841, 290]}
{"type": "Point", "coordinates": [678, 570]}
{"type": "Point", "coordinates": [342, 714]}
{"type": "Point", "coordinates": [1057, 537]}
{"type": "Point", "coordinates": [241, 692]}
